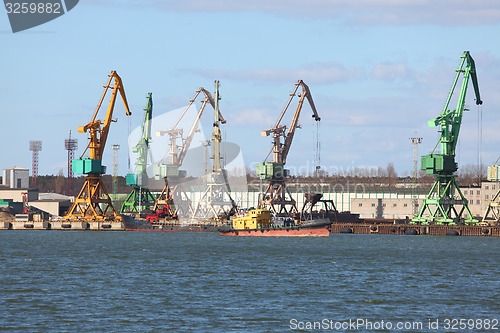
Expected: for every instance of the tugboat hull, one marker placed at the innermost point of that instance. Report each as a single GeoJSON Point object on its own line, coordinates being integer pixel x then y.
{"type": "Point", "coordinates": [305, 232]}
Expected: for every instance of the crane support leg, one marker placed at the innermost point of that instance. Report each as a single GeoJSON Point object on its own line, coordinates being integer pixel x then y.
{"type": "Point", "coordinates": [93, 202]}
{"type": "Point", "coordinates": [278, 199]}
{"type": "Point", "coordinates": [442, 202]}
{"type": "Point", "coordinates": [216, 202]}
{"type": "Point", "coordinates": [165, 200]}
{"type": "Point", "coordinates": [139, 199]}
{"type": "Point", "coordinates": [492, 213]}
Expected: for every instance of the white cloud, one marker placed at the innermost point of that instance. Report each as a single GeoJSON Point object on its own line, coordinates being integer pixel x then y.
{"type": "Point", "coordinates": [398, 12]}
{"type": "Point", "coordinates": [252, 117]}
{"type": "Point", "coordinates": [318, 73]}
{"type": "Point", "coordinates": [391, 71]}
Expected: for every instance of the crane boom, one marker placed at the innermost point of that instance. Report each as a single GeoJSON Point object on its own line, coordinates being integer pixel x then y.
{"type": "Point", "coordinates": [281, 150]}
{"type": "Point", "coordinates": [98, 133]}
{"type": "Point", "coordinates": [451, 120]}
{"type": "Point", "coordinates": [294, 124]}
{"type": "Point", "coordinates": [187, 143]}
{"type": "Point", "coordinates": [142, 146]}
{"type": "Point", "coordinates": [177, 157]}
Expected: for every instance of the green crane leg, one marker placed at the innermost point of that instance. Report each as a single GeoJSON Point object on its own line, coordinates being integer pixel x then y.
{"type": "Point", "coordinates": [139, 199]}
{"type": "Point", "coordinates": [440, 203]}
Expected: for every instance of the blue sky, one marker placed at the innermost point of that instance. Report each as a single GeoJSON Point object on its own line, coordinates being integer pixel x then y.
{"type": "Point", "coordinates": [377, 70]}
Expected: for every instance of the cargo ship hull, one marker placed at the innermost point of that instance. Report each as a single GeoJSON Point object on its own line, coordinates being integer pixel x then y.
{"type": "Point", "coordinates": [179, 228]}
{"type": "Point", "coordinates": [139, 224]}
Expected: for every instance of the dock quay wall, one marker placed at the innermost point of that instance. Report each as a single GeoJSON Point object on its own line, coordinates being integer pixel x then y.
{"type": "Point", "coordinates": [410, 229]}
{"type": "Point", "coordinates": [336, 228]}
{"type": "Point", "coordinates": [63, 225]}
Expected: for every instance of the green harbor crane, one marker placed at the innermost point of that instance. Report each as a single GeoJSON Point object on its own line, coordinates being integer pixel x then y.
{"type": "Point", "coordinates": [140, 198]}
{"type": "Point", "coordinates": [445, 196]}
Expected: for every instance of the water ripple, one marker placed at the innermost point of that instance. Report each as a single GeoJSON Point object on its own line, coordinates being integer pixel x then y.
{"type": "Point", "coordinates": [202, 282]}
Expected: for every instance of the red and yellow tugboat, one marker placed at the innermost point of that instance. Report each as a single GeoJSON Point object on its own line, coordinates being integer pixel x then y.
{"type": "Point", "coordinates": [261, 223]}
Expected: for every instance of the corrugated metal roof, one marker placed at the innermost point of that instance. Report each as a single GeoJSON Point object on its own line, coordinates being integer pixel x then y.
{"type": "Point", "coordinates": [52, 196]}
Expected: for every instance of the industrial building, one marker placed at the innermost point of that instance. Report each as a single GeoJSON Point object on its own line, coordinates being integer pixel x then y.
{"type": "Point", "coordinates": [15, 177]}
{"type": "Point", "coordinates": [18, 197]}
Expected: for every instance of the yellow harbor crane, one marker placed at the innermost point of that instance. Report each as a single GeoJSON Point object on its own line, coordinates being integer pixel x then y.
{"type": "Point", "coordinates": [93, 203]}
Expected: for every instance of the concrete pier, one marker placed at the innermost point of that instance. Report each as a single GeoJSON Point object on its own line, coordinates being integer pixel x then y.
{"type": "Point", "coordinates": [63, 225]}
{"type": "Point", "coordinates": [29, 225]}
{"type": "Point", "coordinates": [5, 225]}
{"type": "Point", "coordinates": [69, 225]}
{"type": "Point", "coordinates": [106, 225]}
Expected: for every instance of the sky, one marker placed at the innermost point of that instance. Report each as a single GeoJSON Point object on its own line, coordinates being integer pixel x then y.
{"type": "Point", "coordinates": [378, 70]}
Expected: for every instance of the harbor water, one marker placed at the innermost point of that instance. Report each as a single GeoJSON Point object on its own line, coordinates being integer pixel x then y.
{"type": "Point", "coordinates": [57, 281]}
